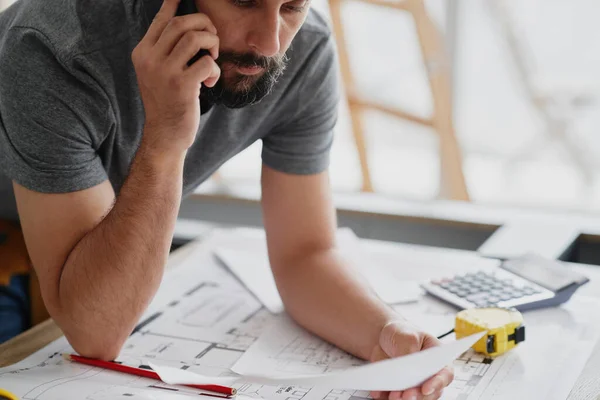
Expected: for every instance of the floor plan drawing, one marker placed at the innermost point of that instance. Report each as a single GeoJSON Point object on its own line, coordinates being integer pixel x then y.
{"type": "Point", "coordinates": [306, 355]}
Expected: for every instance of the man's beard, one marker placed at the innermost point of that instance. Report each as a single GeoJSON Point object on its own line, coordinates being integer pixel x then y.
{"type": "Point", "coordinates": [244, 90]}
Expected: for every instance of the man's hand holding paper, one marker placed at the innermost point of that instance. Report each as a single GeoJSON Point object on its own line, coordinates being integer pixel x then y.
{"type": "Point", "coordinates": [399, 338]}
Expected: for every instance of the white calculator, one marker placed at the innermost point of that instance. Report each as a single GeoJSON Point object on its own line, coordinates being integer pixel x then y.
{"type": "Point", "coordinates": [524, 283]}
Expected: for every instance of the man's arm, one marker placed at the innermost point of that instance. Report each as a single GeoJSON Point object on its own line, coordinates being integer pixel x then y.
{"type": "Point", "coordinates": [319, 288]}
{"type": "Point", "coordinates": [99, 265]}
{"type": "Point", "coordinates": [310, 272]}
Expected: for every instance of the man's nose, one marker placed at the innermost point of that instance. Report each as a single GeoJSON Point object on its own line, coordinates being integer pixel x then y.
{"type": "Point", "coordinates": [264, 38]}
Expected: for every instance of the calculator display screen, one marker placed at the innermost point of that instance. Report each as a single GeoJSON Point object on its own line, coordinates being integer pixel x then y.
{"type": "Point", "coordinates": [549, 275]}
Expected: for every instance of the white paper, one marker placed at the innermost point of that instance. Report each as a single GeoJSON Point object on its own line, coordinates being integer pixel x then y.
{"type": "Point", "coordinates": [286, 349]}
{"type": "Point", "coordinates": [245, 255]}
{"type": "Point", "coordinates": [254, 270]}
{"type": "Point", "coordinates": [394, 374]}
{"type": "Point", "coordinates": [390, 289]}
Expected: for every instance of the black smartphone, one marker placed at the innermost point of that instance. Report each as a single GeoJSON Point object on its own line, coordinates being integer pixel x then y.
{"type": "Point", "coordinates": [189, 7]}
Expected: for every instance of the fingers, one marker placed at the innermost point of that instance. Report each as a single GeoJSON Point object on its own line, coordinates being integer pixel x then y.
{"type": "Point", "coordinates": [438, 382]}
{"type": "Point", "coordinates": [180, 26]}
{"type": "Point", "coordinates": [205, 70]}
{"type": "Point", "coordinates": [433, 396]}
{"type": "Point", "coordinates": [412, 394]}
{"type": "Point", "coordinates": [378, 354]}
{"type": "Point", "coordinates": [398, 339]}
{"type": "Point", "coordinates": [395, 396]}
{"type": "Point", "coordinates": [190, 44]}
{"type": "Point", "coordinates": [398, 342]}
{"type": "Point", "coordinates": [161, 20]}
{"type": "Point", "coordinates": [430, 341]}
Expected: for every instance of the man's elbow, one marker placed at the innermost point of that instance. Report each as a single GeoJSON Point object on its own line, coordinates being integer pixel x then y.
{"type": "Point", "coordinates": [102, 348]}
{"type": "Point", "coordinates": [89, 339]}
{"type": "Point", "coordinates": [85, 334]}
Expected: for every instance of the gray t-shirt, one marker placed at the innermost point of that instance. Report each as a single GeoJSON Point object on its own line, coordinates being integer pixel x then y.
{"type": "Point", "coordinates": [71, 115]}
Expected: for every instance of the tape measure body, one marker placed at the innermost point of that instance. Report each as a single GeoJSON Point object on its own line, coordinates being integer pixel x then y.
{"type": "Point", "coordinates": [504, 328]}
{"type": "Point", "coordinates": [4, 394]}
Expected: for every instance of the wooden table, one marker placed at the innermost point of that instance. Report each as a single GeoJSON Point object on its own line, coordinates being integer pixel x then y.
{"type": "Point", "coordinates": [587, 387]}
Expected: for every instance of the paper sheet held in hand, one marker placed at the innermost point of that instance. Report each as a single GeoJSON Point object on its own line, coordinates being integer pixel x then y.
{"type": "Point", "coordinates": [394, 374]}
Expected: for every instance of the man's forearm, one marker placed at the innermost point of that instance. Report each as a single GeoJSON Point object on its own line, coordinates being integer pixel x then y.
{"type": "Point", "coordinates": [325, 296]}
{"type": "Point", "coordinates": [112, 274]}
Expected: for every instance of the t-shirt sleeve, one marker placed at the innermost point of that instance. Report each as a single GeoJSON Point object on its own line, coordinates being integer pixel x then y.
{"type": "Point", "coordinates": [52, 117]}
{"type": "Point", "coordinates": [301, 143]}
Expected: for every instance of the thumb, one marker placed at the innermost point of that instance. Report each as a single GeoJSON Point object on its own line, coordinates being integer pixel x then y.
{"type": "Point", "coordinates": [399, 338]}
{"type": "Point", "coordinates": [378, 354]}
{"type": "Point", "coordinates": [430, 341]}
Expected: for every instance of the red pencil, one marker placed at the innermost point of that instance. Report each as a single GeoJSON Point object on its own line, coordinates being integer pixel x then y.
{"type": "Point", "coordinates": [146, 373]}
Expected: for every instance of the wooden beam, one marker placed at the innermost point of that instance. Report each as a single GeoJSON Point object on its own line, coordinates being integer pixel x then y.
{"type": "Point", "coordinates": [452, 182]}
{"type": "Point", "coordinates": [396, 112]}
{"type": "Point", "coordinates": [358, 130]}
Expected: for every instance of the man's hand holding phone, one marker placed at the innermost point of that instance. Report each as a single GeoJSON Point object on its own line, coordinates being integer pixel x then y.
{"type": "Point", "coordinates": [168, 85]}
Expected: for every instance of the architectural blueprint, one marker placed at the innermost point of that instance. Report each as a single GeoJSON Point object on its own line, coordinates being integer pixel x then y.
{"type": "Point", "coordinates": [202, 319]}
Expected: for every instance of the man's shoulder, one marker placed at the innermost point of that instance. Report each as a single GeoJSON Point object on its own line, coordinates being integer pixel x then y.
{"type": "Point", "coordinates": [68, 27]}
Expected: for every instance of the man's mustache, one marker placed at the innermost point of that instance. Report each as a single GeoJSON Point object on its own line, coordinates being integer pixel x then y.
{"type": "Point", "coordinates": [249, 60]}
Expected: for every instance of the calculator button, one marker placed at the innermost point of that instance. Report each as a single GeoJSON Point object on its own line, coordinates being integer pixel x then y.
{"type": "Point", "coordinates": [474, 298]}
{"type": "Point", "coordinates": [454, 290]}
{"type": "Point", "coordinates": [505, 297]}
{"type": "Point", "coordinates": [446, 285]}
{"type": "Point", "coordinates": [493, 300]}
{"type": "Point", "coordinates": [529, 290]}
{"type": "Point", "coordinates": [517, 293]}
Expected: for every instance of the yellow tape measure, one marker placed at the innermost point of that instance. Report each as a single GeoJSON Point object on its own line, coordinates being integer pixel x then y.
{"type": "Point", "coordinates": [504, 328]}
{"type": "Point", "coordinates": [4, 394]}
